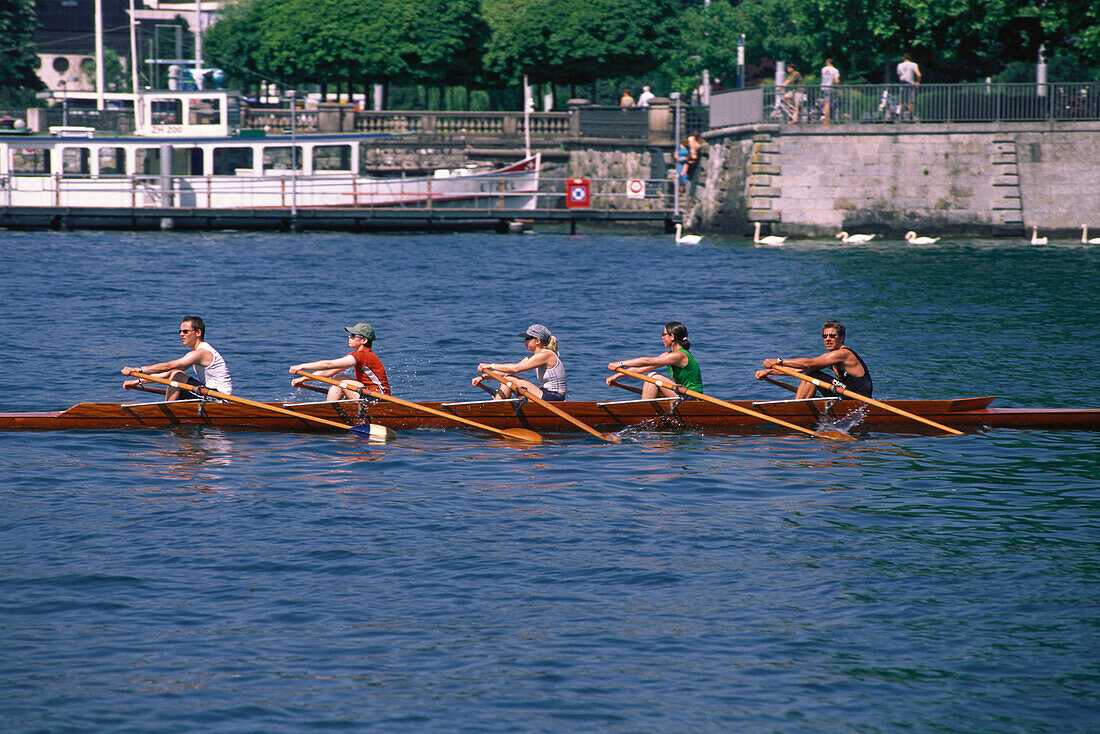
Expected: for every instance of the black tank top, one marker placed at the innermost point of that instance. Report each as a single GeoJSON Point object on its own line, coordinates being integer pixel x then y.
{"type": "Point", "coordinates": [861, 385]}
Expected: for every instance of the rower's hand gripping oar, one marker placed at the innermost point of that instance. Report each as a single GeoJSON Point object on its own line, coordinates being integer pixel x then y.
{"type": "Point", "coordinates": [661, 382]}
{"type": "Point", "coordinates": [516, 434]}
{"type": "Point", "coordinates": [844, 392]}
{"type": "Point", "coordinates": [525, 392]}
{"type": "Point", "coordinates": [375, 432]}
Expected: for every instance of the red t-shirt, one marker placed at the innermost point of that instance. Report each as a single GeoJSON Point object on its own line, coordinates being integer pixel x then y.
{"type": "Point", "coordinates": [369, 370]}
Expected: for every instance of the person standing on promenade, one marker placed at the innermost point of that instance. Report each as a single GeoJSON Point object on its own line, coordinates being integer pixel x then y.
{"type": "Point", "coordinates": [544, 360]}
{"type": "Point", "coordinates": [793, 96]}
{"type": "Point", "coordinates": [626, 100]}
{"type": "Point", "coordinates": [209, 367]}
{"type": "Point", "coordinates": [909, 74]}
{"type": "Point", "coordinates": [830, 77]}
{"type": "Point", "coordinates": [682, 366]}
{"type": "Point", "coordinates": [694, 145]}
{"type": "Point", "coordinates": [368, 368]}
{"type": "Point", "coordinates": [848, 367]}
{"type": "Point", "coordinates": [645, 96]}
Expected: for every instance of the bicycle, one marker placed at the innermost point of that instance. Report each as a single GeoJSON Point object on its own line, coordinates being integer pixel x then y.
{"type": "Point", "coordinates": [789, 106]}
{"type": "Point", "coordinates": [889, 108]}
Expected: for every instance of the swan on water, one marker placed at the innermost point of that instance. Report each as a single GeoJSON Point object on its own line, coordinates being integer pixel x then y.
{"type": "Point", "coordinates": [1035, 238]}
{"type": "Point", "coordinates": [687, 239]}
{"type": "Point", "coordinates": [769, 240]}
{"type": "Point", "coordinates": [912, 238]}
{"type": "Point", "coordinates": [1085, 236]}
{"type": "Point", "coordinates": [854, 239]}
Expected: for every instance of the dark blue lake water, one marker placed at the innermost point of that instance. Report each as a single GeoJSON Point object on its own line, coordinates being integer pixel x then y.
{"type": "Point", "coordinates": [218, 581]}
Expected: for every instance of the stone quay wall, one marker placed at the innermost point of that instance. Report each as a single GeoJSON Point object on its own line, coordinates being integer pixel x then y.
{"type": "Point", "coordinates": [982, 179]}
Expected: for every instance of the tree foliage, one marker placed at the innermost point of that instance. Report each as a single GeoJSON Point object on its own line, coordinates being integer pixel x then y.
{"type": "Point", "coordinates": [494, 42]}
{"type": "Point", "coordinates": [577, 41]}
{"type": "Point", "coordinates": [18, 61]}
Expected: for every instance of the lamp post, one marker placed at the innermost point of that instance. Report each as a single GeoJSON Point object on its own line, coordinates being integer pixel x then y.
{"type": "Point", "coordinates": [64, 105]}
{"type": "Point", "coordinates": [741, 61]}
{"type": "Point", "coordinates": [675, 151]}
{"type": "Point", "coordinates": [293, 162]}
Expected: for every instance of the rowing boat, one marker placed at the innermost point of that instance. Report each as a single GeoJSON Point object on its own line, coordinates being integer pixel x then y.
{"type": "Point", "coordinates": [972, 414]}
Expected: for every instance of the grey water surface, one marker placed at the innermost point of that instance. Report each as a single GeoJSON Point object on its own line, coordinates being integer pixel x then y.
{"type": "Point", "coordinates": [235, 581]}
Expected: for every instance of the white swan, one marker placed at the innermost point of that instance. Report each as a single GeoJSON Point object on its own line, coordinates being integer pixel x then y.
{"type": "Point", "coordinates": [769, 240]}
{"type": "Point", "coordinates": [854, 239]}
{"type": "Point", "coordinates": [1035, 238]}
{"type": "Point", "coordinates": [912, 238]}
{"type": "Point", "coordinates": [1085, 236]}
{"type": "Point", "coordinates": [687, 239]}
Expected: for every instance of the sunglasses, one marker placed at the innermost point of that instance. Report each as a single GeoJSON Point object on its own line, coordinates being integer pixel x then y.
{"type": "Point", "coordinates": [185, 331]}
{"type": "Point", "coordinates": [830, 336]}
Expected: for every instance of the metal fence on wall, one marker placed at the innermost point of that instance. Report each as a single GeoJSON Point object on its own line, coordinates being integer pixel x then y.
{"type": "Point", "coordinates": [890, 103]}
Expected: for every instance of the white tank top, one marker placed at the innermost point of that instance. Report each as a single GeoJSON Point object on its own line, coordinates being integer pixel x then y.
{"type": "Point", "coordinates": [552, 379]}
{"type": "Point", "coordinates": [216, 376]}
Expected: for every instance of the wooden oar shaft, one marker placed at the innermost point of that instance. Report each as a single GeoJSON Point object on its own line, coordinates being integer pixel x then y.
{"type": "Point", "coordinates": [870, 401]}
{"type": "Point", "coordinates": [423, 408]}
{"type": "Point", "coordinates": [661, 382]}
{"type": "Point", "coordinates": [206, 391]}
{"type": "Point", "coordinates": [499, 377]}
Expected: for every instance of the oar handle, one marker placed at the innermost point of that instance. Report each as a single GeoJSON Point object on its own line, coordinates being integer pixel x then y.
{"type": "Point", "coordinates": [870, 401]}
{"type": "Point", "coordinates": [499, 377]}
{"type": "Point", "coordinates": [208, 392]}
{"type": "Point", "coordinates": [681, 390]}
{"type": "Point", "coordinates": [523, 435]}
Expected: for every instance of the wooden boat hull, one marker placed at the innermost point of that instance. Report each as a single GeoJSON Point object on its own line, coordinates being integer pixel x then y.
{"type": "Point", "coordinates": [961, 413]}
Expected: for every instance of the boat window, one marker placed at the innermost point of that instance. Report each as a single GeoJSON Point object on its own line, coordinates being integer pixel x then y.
{"type": "Point", "coordinates": [228, 160]}
{"type": "Point", "coordinates": [167, 111]}
{"type": "Point", "coordinates": [278, 158]}
{"type": "Point", "coordinates": [76, 162]}
{"type": "Point", "coordinates": [112, 161]}
{"type": "Point", "coordinates": [204, 112]}
{"type": "Point", "coordinates": [187, 161]}
{"type": "Point", "coordinates": [30, 162]}
{"type": "Point", "coordinates": [147, 162]}
{"type": "Point", "coordinates": [332, 158]}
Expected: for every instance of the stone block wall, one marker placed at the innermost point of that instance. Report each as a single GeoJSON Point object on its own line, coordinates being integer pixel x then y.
{"type": "Point", "coordinates": [989, 179]}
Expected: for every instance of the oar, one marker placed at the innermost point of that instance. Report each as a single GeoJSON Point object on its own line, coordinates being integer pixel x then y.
{"type": "Point", "coordinates": [661, 382]}
{"type": "Point", "coordinates": [376, 432]}
{"type": "Point", "coordinates": [844, 392]}
{"type": "Point", "coordinates": [781, 384]}
{"type": "Point", "coordinates": [522, 390]}
{"type": "Point", "coordinates": [518, 434]}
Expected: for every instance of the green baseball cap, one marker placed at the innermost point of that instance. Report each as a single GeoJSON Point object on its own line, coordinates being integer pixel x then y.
{"type": "Point", "coordinates": [364, 330]}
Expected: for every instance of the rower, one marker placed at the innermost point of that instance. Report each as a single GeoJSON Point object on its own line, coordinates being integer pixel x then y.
{"type": "Point", "coordinates": [544, 360]}
{"type": "Point", "coordinates": [368, 369]}
{"type": "Point", "coordinates": [209, 367]}
{"type": "Point", "coordinates": [681, 364]}
{"type": "Point", "coordinates": [849, 369]}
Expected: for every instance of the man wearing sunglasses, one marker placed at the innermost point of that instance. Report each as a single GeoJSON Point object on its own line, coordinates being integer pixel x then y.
{"type": "Point", "coordinates": [210, 368]}
{"type": "Point", "coordinates": [849, 369]}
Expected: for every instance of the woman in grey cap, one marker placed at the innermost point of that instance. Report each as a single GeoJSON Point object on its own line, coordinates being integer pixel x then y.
{"type": "Point", "coordinates": [544, 360]}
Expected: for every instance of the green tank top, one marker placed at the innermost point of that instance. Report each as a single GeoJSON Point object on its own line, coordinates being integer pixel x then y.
{"type": "Point", "coordinates": [688, 375]}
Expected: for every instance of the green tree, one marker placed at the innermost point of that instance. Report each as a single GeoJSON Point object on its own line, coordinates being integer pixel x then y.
{"type": "Point", "coordinates": [577, 41]}
{"type": "Point", "coordinates": [18, 61]}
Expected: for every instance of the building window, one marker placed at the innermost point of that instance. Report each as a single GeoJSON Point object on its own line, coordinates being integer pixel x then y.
{"type": "Point", "coordinates": [147, 161]}
{"type": "Point", "coordinates": [60, 64]}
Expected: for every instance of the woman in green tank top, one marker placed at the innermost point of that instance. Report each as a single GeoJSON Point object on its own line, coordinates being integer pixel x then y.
{"type": "Point", "coordinates": [681, 364]}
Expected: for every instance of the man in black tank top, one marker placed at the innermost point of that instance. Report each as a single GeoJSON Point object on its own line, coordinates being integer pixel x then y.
{"type": "Point", "coordinates": [848, 367]}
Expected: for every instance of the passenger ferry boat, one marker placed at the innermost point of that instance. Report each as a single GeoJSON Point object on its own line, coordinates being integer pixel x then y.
{"type": "Point", "coordinates": [188, 153]}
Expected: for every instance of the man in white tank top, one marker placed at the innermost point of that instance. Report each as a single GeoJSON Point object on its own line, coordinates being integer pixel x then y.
{"type": "Point", "coordinates": [210, 368]}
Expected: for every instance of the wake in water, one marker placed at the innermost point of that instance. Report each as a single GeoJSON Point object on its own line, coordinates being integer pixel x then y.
{"type": "Point", "coordinates": [844, 424]}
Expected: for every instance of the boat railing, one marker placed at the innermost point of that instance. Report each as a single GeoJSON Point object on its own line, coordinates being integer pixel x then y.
{"type": "Point", "coordinates": [345, 190]}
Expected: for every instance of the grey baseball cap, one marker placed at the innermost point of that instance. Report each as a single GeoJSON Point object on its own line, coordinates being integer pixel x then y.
{"type": "Point", "coordinates": [538, 331]}
{"type": "Point", "coordinates": [364, 330]}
